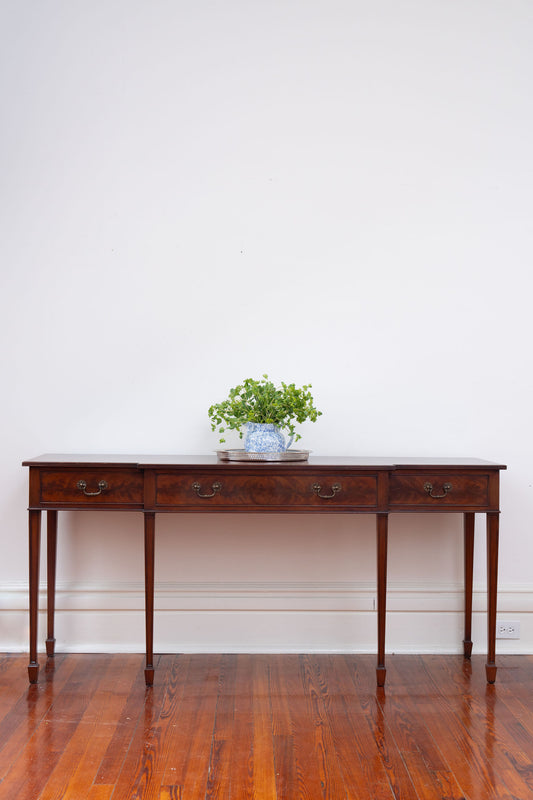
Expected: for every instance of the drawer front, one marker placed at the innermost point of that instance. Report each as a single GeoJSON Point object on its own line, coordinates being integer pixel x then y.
{"type": "Point", "coordinates": [436, 490]}
{"type": "Point", "coordinates": [216, 491]}
{"type": "Point", "coordinates": [92, 487]}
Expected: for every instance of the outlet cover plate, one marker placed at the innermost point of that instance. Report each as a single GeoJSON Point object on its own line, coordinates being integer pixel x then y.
{"type": "Point", "coordinates": [508, 629]}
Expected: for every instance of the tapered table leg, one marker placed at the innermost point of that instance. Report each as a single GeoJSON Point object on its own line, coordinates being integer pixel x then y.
{"type": "Point", "coordinates": [34, 553]}
{"type": "Point", "coordinates": [382, 536]}
{"type": "Point", "coordinates": [149, 563]}
{"type": "Point", "coordinates": [469, 522]}
{"type": "Point", "coordinates": [51, 558]}
{"type": "Point", "coordinates": [493, 520]}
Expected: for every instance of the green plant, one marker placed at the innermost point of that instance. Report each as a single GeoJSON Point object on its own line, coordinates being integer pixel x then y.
{"type": "Point", "coordinates": [261, 401]}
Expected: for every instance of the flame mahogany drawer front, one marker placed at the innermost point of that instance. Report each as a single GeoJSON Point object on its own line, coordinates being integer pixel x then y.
{"type": "Point", "coordinates": [211, 490]}
{"type": "Point", "coordinates": [91, 487]}
{"type": "Point", "coordinates": [439, 489]}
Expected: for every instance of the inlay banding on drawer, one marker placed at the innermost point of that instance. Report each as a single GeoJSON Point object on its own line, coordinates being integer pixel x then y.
{"type": "Point", "coordinates": [92, 487]}
{"type": "Point", "coordinates": [208, 490]}
{"type": "Point", "coordinates": [439, 489]}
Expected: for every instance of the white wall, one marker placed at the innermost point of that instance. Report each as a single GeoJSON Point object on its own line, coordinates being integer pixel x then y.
{"type": "Point", "coordinates": [336, 192]}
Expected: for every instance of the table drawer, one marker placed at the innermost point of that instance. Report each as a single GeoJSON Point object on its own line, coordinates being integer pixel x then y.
{"type": "Point", "coordinates": [434, 490]}
{"type": "Point", "coordinates": [211, 490]}
{"type": "Point", "coordinates": [91, 487]}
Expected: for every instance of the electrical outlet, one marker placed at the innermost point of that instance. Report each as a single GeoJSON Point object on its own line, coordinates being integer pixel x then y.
{"type": "Point", "coordinates": [508, 629]}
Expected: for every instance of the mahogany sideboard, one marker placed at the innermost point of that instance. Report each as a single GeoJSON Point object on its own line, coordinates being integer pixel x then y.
{"type": "Point", "coordinates": [158, 484]}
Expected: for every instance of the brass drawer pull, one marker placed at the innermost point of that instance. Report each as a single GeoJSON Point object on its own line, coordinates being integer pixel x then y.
{"type": "Point", "coordinates": [216, 487]}
{"type": "Point", "coordinates": [429, 489]}
{"type": "Point", "coordinates": [334, 489]}
{"type": "Point", "coordinates": [82, 486]}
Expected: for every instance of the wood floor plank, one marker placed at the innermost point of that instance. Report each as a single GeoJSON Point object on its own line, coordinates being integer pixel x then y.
{"type": "Point", "coordinates": [30, 704]}
{"type": "Point", "coordinates": [264, 770]}
{"type": "Point", "coordinates": [507, 740]}
{"type": "Point", "coordinates": [356, 684]}
{"type": "Point", "coordinates": [177, 766]}
{"type": "Point", "coordinates": [365, 777]}
{"type": "Point", "coordinates": [517, 696]}
{"type": "Point", "coordinates": [405, 708]}
{"type": "Point", "coordinates": [502, 739]}
{"type": "Point", "coordinates": [140, 775]}
{"type": "Point", "coordinates": [448, 721]}
{"type": "Point", "coordinates": [31, 771]}
{"type": "Point", "coordinates": [161, 779]}
{"type": "Point", "coordinates": [101, 792]}
{"type": "Point", "coordinates": [170, 793]}
{"type": "Point", "coordinates": [293, 752]}
{"type": "Point", "coordinates": [113, 759]}
{"type": "Point", "coordinates": [276, 727]}
{"type": "Point", "coordinates": [234, 751]}
{"type": "Point", "coordinates": [13, 682]}
{"type": "Point", "coordinates": [372, 704]}
{"type": "Point", "coordinates": [199, 725]}
{"type": "Point", "coordinates": [220, 765]}
{"type": "Point", "coordinates": [317, 692]}
{"type": "Point", "coordinates": [74, 773]}
{"type": "Point", "coordinates": [242, 752]}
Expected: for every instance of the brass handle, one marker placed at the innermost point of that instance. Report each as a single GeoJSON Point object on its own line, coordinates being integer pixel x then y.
{"type": "Point", "coordinates": [429, 489]}
{"type": "Point", "coordinates": [82, 486]}
{"type": "Point", "coordinates": [216, 487]}
{"type": "Point", "coordinates": [334, 489]}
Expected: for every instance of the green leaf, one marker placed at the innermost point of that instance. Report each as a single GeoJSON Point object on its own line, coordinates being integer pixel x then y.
{"type": "Point", "coordinates": [261, 401]}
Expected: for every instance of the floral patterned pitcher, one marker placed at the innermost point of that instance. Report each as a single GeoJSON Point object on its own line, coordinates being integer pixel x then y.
{"type": "Point", "coordinates": [264, 438]}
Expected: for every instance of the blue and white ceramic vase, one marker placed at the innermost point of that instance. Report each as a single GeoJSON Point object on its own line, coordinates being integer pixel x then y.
{"type": "Point", "coordinates": [264, 438]}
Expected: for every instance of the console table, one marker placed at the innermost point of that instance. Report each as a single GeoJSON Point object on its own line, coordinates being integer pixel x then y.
{"type": "Point", "coordinates": [159, 484]}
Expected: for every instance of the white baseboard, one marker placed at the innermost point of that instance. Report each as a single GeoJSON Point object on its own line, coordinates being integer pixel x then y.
{"type": "Point", "coordinates": [263, 617]}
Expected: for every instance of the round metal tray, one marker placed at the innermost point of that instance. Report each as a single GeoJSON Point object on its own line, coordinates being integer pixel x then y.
{"type": "Point", "coordinates": [242, 455]}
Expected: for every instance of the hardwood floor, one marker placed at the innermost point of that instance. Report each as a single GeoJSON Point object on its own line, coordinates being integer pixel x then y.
{"type": "Point", "coordinates": [266, 727]}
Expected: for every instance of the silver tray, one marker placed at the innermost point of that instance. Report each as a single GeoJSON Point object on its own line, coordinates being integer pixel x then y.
{"type": "Point", "coordinates": [242, 455]}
